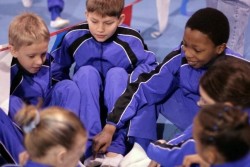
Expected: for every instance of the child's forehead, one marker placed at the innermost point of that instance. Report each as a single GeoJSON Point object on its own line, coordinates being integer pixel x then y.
{"type": "Point", "coordinates": [196, 37]}
{"type": "Point", "coordinates": [99, 16]}
{"type": "Point", "coordinates": [36, 47]}
{"type": "Point", "coordinates": [188, 30]}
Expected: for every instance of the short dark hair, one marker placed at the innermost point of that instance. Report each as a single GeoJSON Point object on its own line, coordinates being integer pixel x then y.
{"type": "Point", "coordinates": [211, 22]}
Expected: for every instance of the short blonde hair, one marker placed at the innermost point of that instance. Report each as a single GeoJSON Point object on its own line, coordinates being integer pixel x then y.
{"type": "Point", "coordinates": [26, 29]}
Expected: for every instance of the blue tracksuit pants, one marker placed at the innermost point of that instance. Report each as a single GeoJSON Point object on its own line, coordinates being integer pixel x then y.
{"type": "Point", "coordinates": [11, 137]}
{"type": "Point", "coordinates": [64, 94]}
{"type": "Point", "coordinates": [55, 7]}
{"type": "Point", "coordinates": [92, 87]}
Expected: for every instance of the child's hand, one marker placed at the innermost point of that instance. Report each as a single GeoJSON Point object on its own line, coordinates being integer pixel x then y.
{"type": "Point", "coordinates": [23, 158]}
{"type": "Point", "coordinates": [153, 164]}
{"type": "Point", "coordinates": [194, 159]}
{"type": "Point", "coordinates": [102, 140]}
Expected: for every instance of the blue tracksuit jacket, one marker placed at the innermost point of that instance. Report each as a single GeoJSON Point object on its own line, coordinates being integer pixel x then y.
{"type": "Point", "coordinates": [172, 87]}
{"type": "Point", "coordinates": [102, 69]}
{"type": "Point", "coordinates": [173, 152]}
{"type": "Point", "coordinates": [125, 49]}
{"type": "Point", "coordinates": [28, 88]}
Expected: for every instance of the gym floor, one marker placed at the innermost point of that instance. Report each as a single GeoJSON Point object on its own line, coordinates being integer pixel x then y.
{"type": "Point", "coordinates": [144, 18]}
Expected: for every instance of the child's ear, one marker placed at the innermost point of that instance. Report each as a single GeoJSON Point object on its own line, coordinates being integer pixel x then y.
{"type": "Point", "coordinates": [221, 48]}
{"type": "Point", "coordinates": [12, 50]}
{"type": "Point", "coordinates": [211, 157]}
{"type": "Point", "coordinates": [61, 155]}
{"type": "Point", "coordinates": [121, 18]}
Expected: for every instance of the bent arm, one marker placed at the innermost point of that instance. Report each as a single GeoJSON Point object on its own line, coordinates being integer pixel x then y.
{"type": "Point", "coordinates": [149, 88]}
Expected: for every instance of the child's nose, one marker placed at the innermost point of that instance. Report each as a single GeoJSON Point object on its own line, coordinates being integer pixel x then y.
{"type": "Point", "coordinates": [39, 61]}
{"type": "Point", "coordinates": [100, 27]}
{"type": "Point", "coordinates": [188, 53]}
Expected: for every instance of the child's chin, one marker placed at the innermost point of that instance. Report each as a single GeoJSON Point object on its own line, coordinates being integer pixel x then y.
{"type": "Point", "coordinates": [34, 71]}
{"type": "Point", "coordinates": [101, 40]}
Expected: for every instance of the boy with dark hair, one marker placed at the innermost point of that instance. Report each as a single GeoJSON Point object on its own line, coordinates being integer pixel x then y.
{"type": "Point", "coordinates": [220, 84]}
{"type": "Point", "coordinates": [107, 55]}
{"type": "Point", "coordinates": [173, 86]}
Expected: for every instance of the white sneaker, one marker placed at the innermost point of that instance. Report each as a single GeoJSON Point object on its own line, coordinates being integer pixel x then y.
{"type": "Point", "coordinates": [27, 3]}
{"type": "Point", "coordinates": [112, 161]}
{"type": "Point", "coordinates": [59, 23]}
{"type": "Point", "coordinates": [137, 157]}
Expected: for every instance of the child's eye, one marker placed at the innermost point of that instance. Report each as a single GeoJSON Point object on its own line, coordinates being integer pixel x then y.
{"type": "Point", "coordinates": [109, 23]}
{"type": "Point", "coordinates": [184, 44]}
{"type": "Point", "coordinates": [197, 51]}
{"type": "Point", "coordinates": [31, 56]}
{"type": "Point", "coordinates": [43, 55]}
{"type": "Point", "coordinates": [93, 21]}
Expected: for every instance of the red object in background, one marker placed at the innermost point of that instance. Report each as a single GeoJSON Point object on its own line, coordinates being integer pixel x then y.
{"type": "Point", "coordinates": [128, 15]}
{"type": "Point", "coordinates": [128, 12]}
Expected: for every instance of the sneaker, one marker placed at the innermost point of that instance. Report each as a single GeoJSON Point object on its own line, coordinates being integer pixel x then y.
{"type": "Point", "coordinates": [59, 23]}
{"type": "Point", "coordinates": [155, 34]}
{"type": "Point", "coordinates": [112, 161]}
{"type": "Point", "coordinates": [27, 3]}
{"type": "Point", "coordinates": [137, 157]}
{"type": "Point", "coordinates": [91, 162]}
